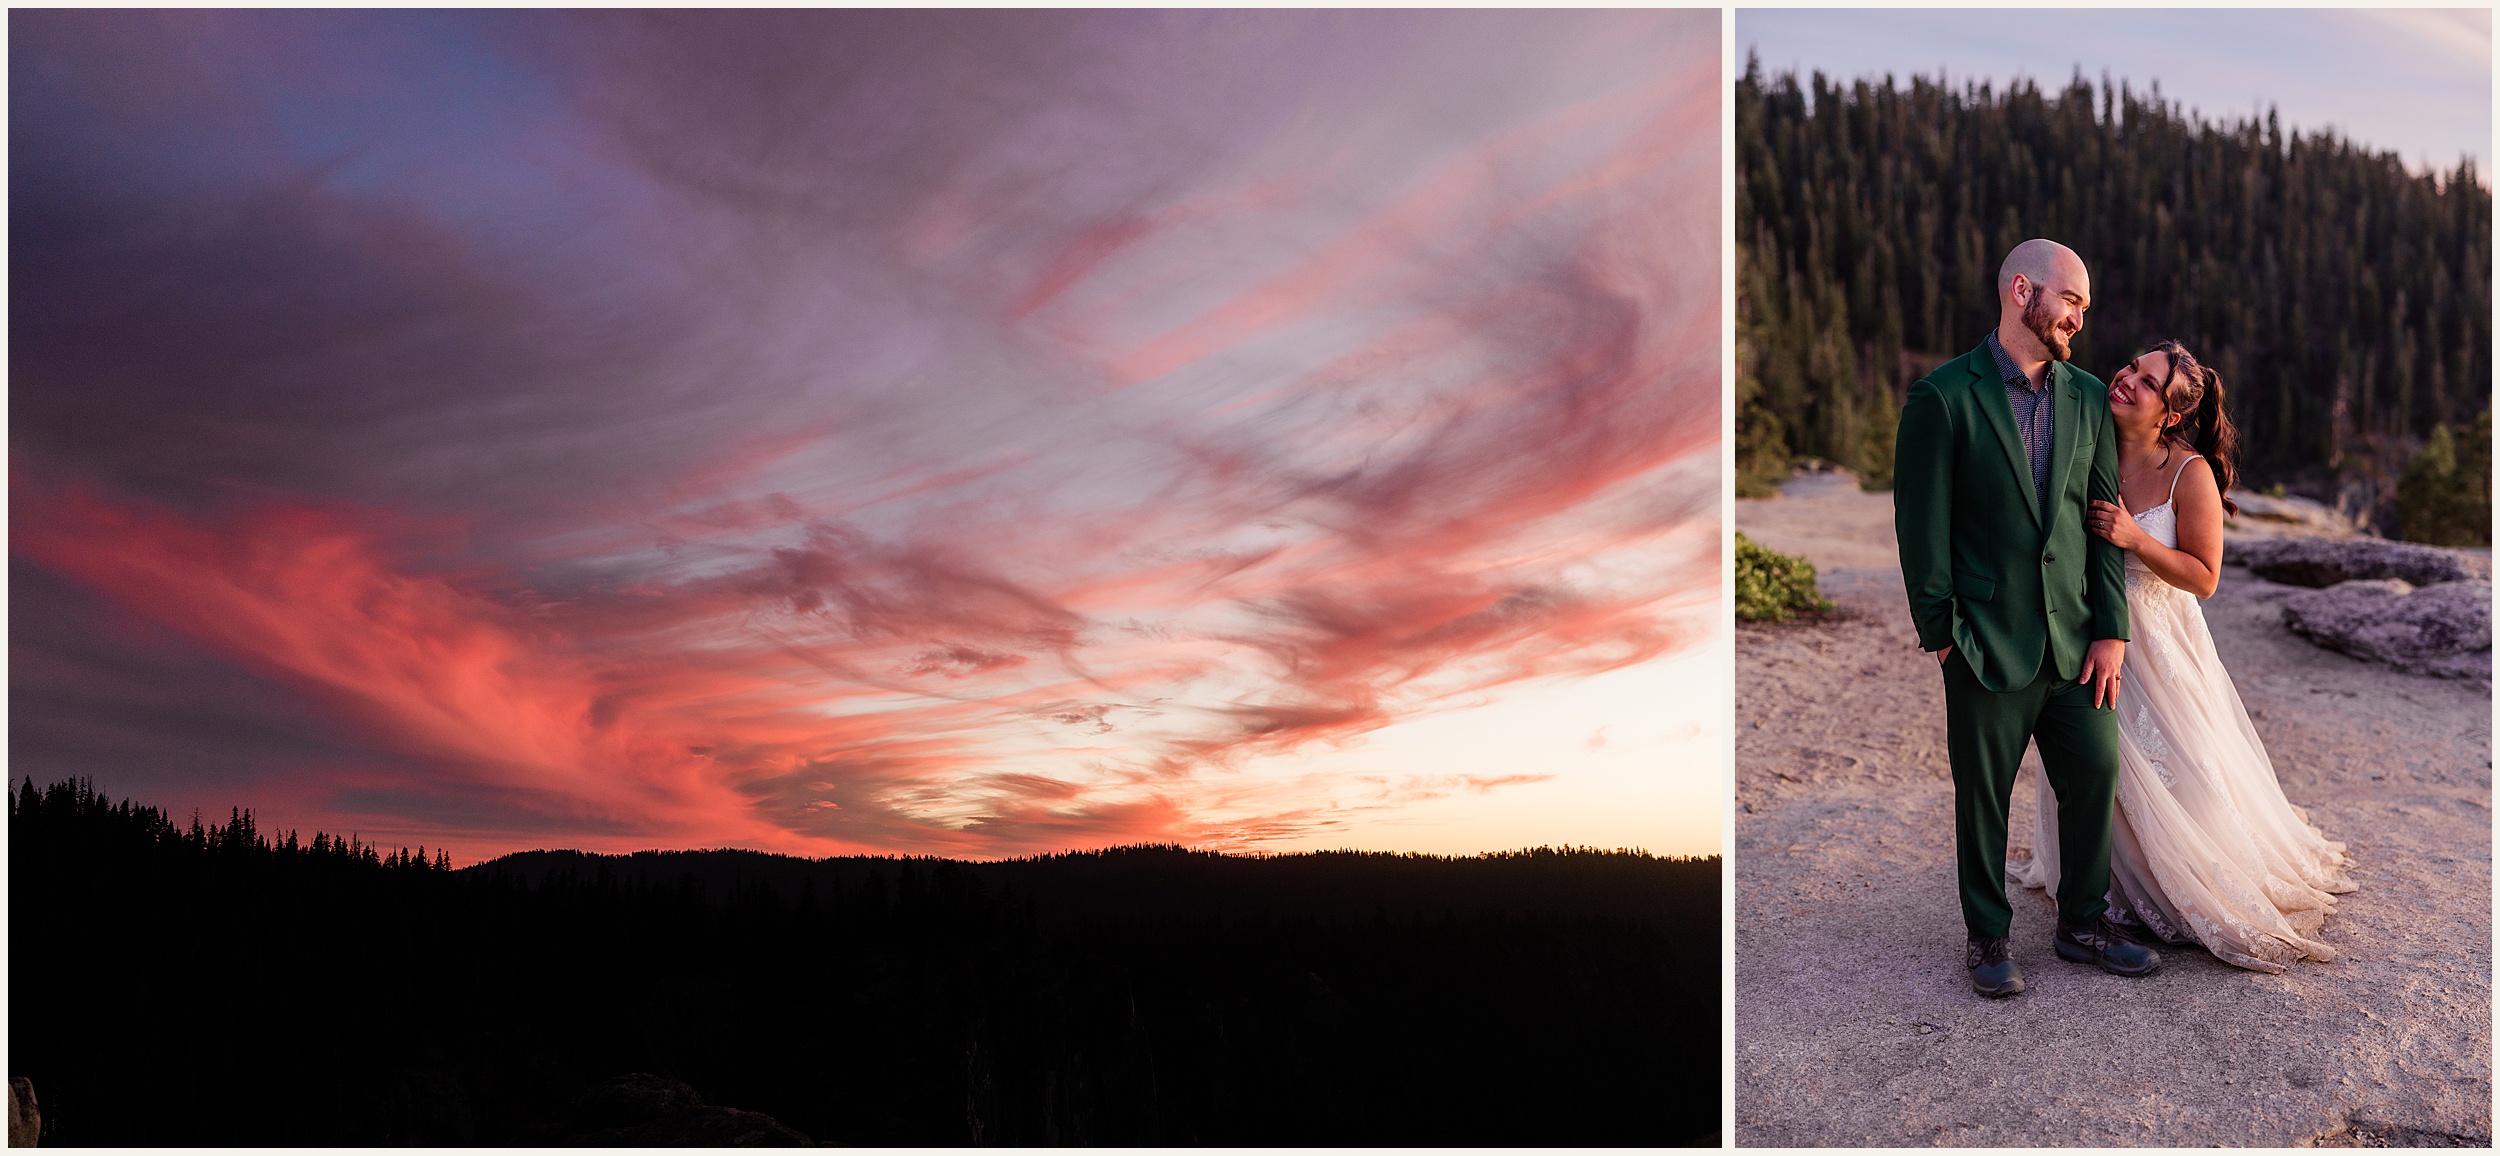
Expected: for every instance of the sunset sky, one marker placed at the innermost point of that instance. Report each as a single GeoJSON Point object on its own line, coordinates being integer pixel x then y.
{"type": "Point", "coordinates": [954, 433]}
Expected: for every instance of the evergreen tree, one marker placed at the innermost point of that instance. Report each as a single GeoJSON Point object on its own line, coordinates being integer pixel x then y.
{"type": "Point", "coordinates": [2445, 497]}
{"type": "Point", "coordinates": [1133, 996]}
{"type": "Point", "coordinates": [2345, 301]}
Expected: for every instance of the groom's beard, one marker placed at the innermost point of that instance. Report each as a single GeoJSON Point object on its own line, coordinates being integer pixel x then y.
{"type": "Point", "coordinates": [2036, 319]}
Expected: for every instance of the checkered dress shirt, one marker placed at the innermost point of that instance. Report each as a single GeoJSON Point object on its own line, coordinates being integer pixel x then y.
{"type": "Point", "coordinates": [2034, 416]}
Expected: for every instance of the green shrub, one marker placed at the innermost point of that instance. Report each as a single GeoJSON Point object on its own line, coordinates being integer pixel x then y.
{"type": "Point", "coordinates": [1771, 586]}
{"type": "Point", "coordinates": [1761, 453]}
{"type": "Point", "coordinates": [2445, 496]}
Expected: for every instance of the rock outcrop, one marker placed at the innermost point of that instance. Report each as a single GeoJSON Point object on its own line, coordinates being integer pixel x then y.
{"type": "Point", "coordinates": [646, 1111]}
{"type": "Point", "coordinates": [2421, 609]}
{"type": "Point", "coordinates": [2326, 561]}
{"type": "Point", "coordinates": [2262, 516]}
{"type": "Point", "coordinates": [2442, 630]}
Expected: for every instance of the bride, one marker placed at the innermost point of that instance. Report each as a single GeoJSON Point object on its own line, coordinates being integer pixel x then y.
{"type": "Point", "coordinates": [2205, 848]}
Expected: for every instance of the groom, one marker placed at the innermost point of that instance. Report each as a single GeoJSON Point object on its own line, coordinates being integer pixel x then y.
{"type": "Point", "coordinates": [1999, 452]}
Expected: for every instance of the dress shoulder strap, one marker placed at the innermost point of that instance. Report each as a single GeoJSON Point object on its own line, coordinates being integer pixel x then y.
{"type": "Point", "coordinates": [2174, 476]}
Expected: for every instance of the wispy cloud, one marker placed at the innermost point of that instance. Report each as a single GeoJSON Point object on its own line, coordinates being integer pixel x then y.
{"type": "Point", "coordinates": [2464, 33]}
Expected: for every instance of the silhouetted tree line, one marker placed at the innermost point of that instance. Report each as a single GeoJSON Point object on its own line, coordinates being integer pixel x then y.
{"type": "Point", "coordinates": [2345, 301]}
{"type": "Point", "coordinates": [217, 985]}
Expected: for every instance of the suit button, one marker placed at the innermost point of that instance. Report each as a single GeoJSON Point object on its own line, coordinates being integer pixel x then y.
{"type": "Point", "coordinates": [2049, 558]}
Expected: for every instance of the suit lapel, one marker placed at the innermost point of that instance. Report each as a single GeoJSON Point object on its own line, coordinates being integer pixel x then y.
{"type": "Point", "coordinates": [2062, 439]}
{"type": "Point", "coordinates": [2001, 415]}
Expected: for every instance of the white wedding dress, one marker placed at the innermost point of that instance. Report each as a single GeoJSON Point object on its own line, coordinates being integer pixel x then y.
{"type": "Point", "coordinates": [2205, 848]}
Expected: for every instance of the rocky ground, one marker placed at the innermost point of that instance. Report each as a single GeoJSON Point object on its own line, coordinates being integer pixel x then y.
{"type": "Point", "coordinates": [1855, 1023]}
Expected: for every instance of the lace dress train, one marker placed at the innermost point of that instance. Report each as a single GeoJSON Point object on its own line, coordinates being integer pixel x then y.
{"type": "Point", "coordinates": [2205, 848]}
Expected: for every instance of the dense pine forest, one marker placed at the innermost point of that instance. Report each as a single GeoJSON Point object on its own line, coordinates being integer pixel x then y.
{"type": "Point", "coordinates": [199, 984]}
{"type": "Point", "coordinates": [2345, 301]}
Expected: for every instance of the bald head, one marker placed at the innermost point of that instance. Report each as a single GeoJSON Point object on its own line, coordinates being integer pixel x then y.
{"type": "Point", "coordinates": [2040, 261]}
{"type": "Point", "coordinates": [2042, 291]}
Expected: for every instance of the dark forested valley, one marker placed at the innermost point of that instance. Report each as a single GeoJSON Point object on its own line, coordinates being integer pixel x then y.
{"type": "Point", "coordinates": [2345, 301]}
{"type": "Point", "coordinates": [189, 983]}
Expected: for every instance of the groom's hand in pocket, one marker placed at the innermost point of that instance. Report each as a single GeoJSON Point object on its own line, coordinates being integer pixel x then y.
{"type": "Point", "coordinates": [2100, 668]}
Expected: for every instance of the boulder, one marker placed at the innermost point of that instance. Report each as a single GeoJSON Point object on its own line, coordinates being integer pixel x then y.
{"type": "Point", "coordinates": [2442, 630]}
{"type": "Point", "coordinates": [2327, 561]}
{"type": "Point", "coordinates": [25, 1123]}
{"type": "Point", "coordinates": [646, 1111]}
{"type": "Point", "coordinates": [2261, 516]}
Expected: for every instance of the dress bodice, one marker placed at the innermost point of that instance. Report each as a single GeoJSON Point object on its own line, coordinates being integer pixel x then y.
{"type": "Point", "coordinates": [2161, 524]}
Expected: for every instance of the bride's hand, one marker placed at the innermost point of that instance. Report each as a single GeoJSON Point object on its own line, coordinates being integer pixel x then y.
{"type": "Point", "coordinates": [2112, 521]}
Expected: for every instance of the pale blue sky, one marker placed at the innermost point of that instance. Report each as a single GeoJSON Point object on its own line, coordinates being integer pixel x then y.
{"type": "Point", "coordinates": [2417, 81]}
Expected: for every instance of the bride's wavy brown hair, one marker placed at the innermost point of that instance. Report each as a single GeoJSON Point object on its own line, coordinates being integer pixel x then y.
{"type": "Point", "coordinates": [2194, 391]}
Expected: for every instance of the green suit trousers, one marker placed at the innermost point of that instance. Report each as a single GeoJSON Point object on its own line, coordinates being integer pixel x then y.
{"type": "Point", "coordinates": [1985, 733]}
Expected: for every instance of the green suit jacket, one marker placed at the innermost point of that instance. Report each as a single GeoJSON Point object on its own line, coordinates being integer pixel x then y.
{"type": "Point", "coordinates": [1989, 573]}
